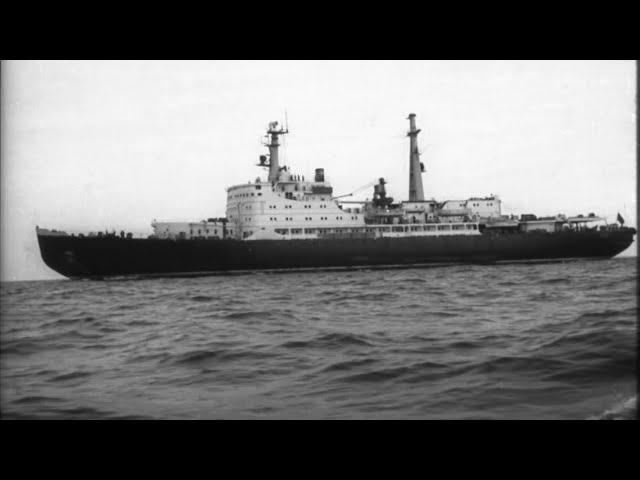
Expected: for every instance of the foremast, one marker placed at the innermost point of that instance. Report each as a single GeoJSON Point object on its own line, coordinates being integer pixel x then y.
{"type": "Point", "coordinates": [416, 192]}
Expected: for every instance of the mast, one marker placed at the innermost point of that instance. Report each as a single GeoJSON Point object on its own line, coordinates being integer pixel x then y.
{"type": "Point", "coordinates": [416, 192]}
{"type": "Point", "coordinates": [274, 166]}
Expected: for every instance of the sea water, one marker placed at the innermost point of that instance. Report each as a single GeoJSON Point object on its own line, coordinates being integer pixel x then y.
{"type": "Point", "coordinates": [529, 341]}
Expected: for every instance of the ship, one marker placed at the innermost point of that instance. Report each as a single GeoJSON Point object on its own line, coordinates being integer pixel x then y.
{"type": "Point", "coordinates": [285, 222]}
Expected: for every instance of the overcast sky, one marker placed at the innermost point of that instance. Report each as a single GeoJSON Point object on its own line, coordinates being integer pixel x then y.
{"type": "Point", "coordinates": [95, 145]}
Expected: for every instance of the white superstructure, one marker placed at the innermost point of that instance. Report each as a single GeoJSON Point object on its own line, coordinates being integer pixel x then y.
{"type": "Point", "coordinates": [186, 230]}
{"type": "Point", "coordinates": [288, 206]}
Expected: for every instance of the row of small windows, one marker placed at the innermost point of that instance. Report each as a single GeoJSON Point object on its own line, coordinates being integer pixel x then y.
{"type": "Point", "coordinates": [478, 205]}
{"type": "Point", "coordinates": [291, 206]}
{"type": "Point", "coordinates": [427, 228]}
{"type": "Point", "coordinates": [275, 219]}
{"type": "Point", "coordinates": [215, 231]}
{"type": "Point", "coordinates": [248, 219]}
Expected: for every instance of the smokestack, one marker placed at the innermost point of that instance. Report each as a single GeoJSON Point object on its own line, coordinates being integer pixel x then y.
{"type": "Point", "coordinates": [416, 192]}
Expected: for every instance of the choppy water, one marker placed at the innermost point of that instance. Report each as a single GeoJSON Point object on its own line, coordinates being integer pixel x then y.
{"type": "Point", "coordinates": [511, 341]}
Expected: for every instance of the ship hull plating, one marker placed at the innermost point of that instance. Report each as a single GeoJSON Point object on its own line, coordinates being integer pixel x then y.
{"type": "Point", "coordinates": [82, 257]}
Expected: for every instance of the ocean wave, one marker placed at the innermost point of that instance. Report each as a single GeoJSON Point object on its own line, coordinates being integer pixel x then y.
{"type": "Point", "coordinates": [411, 373]}
{"type": "Point", "coordinates": [221, 355]}
{"type": "Point", "coordinates": [607, 314]}
{"type": "Point", "coordinates": [513, 365]}
{"type": "Point", "coordinates": [145, 357]}
{"type": "Point", "coordinates": [36, 400]}
{"type": "Point", "coordinates": [554, 281]}
{"type": "Point", "coordinates": [376, 376]}
{"type": "Point", "coordinates": [464, 344]}
{"type": "Point", "coordinates": [348, 364]}
{"type": "Point", "coordinates": [70, 376]}
{"type": "Point", "coordinates": [329, 340]}
{"type": "Point", "coordinates": [84, 412]}
{"type": "Point", "coordinates": [625, 410]}
{"type": "Point", "coordinates": [201, 298]}
{"type": "Point", "coordinates": [594, 368]}
{"type": "Point", "coordinates": [364, 296]}
{"type": "Point", "coordinates": [71, 321]}
{"type": "Point", "coordinates": [141, 323]}
{"type": "Point", "coordinates": [21, 347]}
{"type": "Point", "coordinates": [195, 356]}
{"type": "Point", "coordinates": [509, 341]}
{"type": "Point", "coordinates": [246, 315]}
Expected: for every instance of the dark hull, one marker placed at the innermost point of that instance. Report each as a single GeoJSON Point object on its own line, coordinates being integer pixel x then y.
{"type": "Point", "coordinates": [83, 257]}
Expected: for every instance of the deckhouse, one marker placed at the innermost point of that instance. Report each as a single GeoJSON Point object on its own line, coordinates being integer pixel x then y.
{"type": "Point", "coordinates": [287, 206]}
